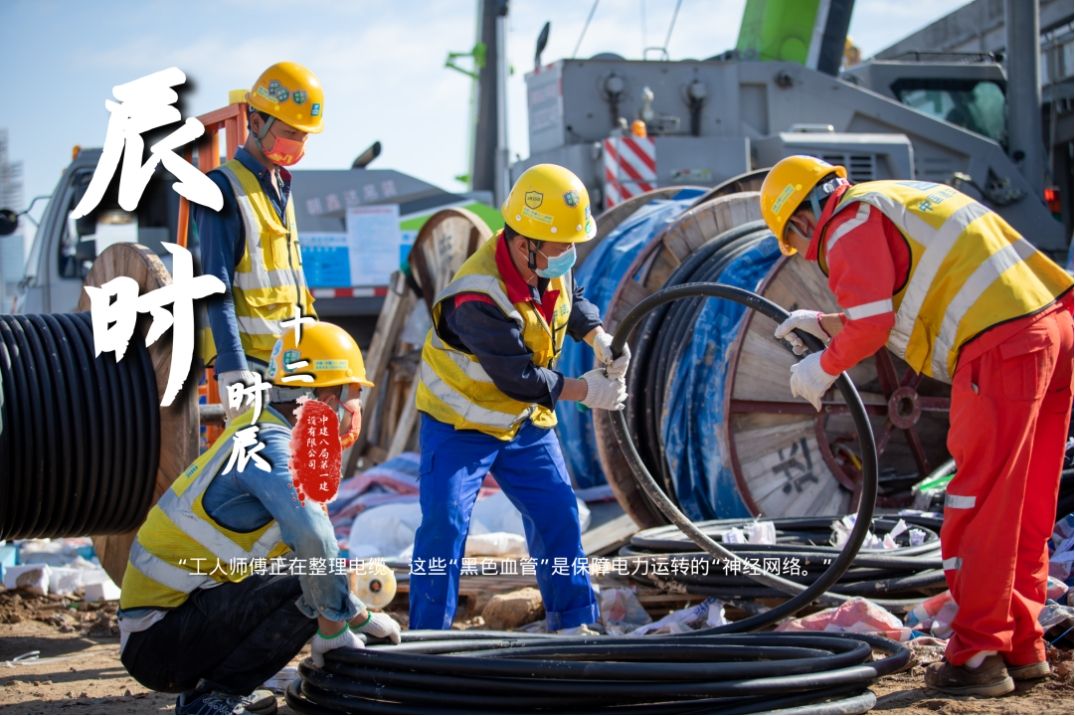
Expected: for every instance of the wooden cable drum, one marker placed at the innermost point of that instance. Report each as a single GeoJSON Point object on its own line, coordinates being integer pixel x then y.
{"type": "Point", "coordinates": [790, 460]}
{"type": "Point", "coordinates": [443, 243]}
{"type": "Point", "coordinates": [749, 181]}
{"type": "Point", "coordinates": [647, 275]}
{"type": "Point", "coordinates": [786, 459]}
{"type": "Point", "coordinates": [178, 421]}
{"type": "Point", "coordinates": [86, 448]}
{"type": "Point", "coordinates": [611, 218]}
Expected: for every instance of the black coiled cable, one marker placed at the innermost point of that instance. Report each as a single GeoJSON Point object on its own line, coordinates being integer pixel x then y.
{"type": "Point", "coordinates": [665, 334]}
{"type": "Point", "coordinates": [715, 670]}
{"type": "Point", "coordinates": [80, 442]}
{"type": "Point", "coordinates": [896, 578]}
{"type": "Point", "coordinates": [484, 672]}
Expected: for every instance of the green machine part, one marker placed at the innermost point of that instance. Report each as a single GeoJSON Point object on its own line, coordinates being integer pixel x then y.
{"type": "Point", "coordinates": [777, 30]}
{"type": "Point", "coordinates": [787, 30]}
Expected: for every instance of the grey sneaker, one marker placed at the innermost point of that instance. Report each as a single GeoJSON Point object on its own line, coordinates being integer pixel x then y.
{"type": "Point", "coordinates": [989, 679]}
{"type": "Point", "coordinates": [261, 701]}
{"type": "Point", "coordinates": [1027, 672]}
{"type": "Point", "coordinates": [209, 702]}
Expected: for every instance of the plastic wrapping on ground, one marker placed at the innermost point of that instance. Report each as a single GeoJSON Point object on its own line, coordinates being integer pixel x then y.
{"type": "Point", "coordinates": [57, 566]}
{"type": "Point", "coordinates": [600, 274]}
{"type": "Point", "coordinates": [704, 483]}
{"type": "Point", "coordinates": [704, 615]}
{"type": "Point", "coordinates": [1062, 550]}
{"type": "Point", "coordinates": [621, 612]}
{"type": "Point", "coordinates": [857, 616]}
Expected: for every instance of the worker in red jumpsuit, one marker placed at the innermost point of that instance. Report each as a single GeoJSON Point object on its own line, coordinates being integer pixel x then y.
{"type": "Point", "coordinates": [959, 295]}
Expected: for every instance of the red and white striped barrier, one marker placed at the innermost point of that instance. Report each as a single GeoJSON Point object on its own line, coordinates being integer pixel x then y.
{"type": "Point", "coordinates": [630, 167]}
{"type": "Point", "coordinates": [362, 292]}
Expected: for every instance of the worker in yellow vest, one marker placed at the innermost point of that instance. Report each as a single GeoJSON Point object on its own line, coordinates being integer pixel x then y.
{"type": "Point", "coordinates": [252, 243]}
{"type": "Point", "coordinates": [488, 387]}
{"type": "Point", "coordinates": [959, 295]}
{"type": "Point", "coordinates": [232, 573]}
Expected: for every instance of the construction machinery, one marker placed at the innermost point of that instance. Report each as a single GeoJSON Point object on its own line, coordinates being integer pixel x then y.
{"type": "Point", "coordinates": [709, 120]}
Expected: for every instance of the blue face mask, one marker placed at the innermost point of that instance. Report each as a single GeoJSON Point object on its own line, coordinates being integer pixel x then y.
{"type": "Point", "coordinates": [558, 265]}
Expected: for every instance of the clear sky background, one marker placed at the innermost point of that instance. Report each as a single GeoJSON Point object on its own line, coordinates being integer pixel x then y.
{"type": "Point", "coordinates": [381, 63]}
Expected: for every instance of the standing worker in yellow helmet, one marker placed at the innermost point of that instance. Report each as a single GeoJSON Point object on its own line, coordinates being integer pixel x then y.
{"type": "Point", "coordinates": [197, 615]}
{"type": "Point", "coordinates": [488, 387]}
{"type": "Point", "coordinates": [252, 243]}
{"type": "Point", "coordinates": [959, 295]}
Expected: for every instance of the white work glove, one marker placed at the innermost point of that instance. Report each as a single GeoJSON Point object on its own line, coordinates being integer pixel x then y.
{"type": "Point", "coordinates": [805, 321]}
{"type": "Point", "coordinates": [810, 381]}
{"type": "Point", "coordinates": [246, 377]}
{"type": "Point", "coordinates": [602, 349]}
{"type": "Point", "coordinates": [381, 626]}
{"type": "Point", "coordinates": [603, 392]}
{"type": "Point", "coordinates": [346, 639]}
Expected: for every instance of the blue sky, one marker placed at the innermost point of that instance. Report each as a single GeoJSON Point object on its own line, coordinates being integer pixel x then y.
{"type": "Point", "coordinates": [381, 62]}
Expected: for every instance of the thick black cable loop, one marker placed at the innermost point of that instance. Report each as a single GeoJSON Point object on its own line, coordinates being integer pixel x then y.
{"type": "Point", "coordinates": [650, 363]}
{"type": "Point", "coordinates": [55, 389]}
{"type": "Point", "coordinates": [81, 434]}
{"type": "Point", "coordinates": [729, 673]}
{"type": "Point", "coordinates": [676, 334]}
{"type": "Point", "coordinates": [92, 500]}
{"type": "Point", "coordinates": [894, 578]}
{"type": "Point", "coordinates": [32, 426]}
{"type": "Point", "coordinates": [817, 590]}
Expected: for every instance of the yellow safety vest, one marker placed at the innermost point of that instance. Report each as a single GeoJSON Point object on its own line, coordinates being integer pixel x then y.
{"type": "Point", "coordinates": [268, 281]}
{"type": "Point", "coordinates": [179, 538]}
{"type": "Point", "coordinates": [454, 388]}
{"type": "Point", "coordinates": [970, 270]}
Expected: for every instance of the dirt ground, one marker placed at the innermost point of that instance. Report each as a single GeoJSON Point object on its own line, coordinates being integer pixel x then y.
{"type": "Point", "coordinates": [78, 670]}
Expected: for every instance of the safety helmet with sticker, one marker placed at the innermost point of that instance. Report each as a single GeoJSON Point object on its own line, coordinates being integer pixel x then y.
{"type": "Point", "coordinates": [549, 203]}
{"type": "Point", "coordinates": [290, 93]}
{"type": "Point", "coordinates": [327, 355]}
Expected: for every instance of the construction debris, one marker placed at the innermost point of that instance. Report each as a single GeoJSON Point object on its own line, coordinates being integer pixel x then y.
{"type": "Point", "coordinates": [514, 609]}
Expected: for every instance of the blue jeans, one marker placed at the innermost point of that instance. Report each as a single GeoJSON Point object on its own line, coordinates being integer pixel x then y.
{"type": "Point", "coordinates": [530, 470]}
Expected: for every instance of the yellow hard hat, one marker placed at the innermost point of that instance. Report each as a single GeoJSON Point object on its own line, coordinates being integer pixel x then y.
{"type": "Point", "coordinates": [550, 203]}
{"type": "Point", "coordinates": [331, 358]}
{"type": "Point", "coordinates": [786, 186]}
{"type": "Point", "coordinates": [292, 94]}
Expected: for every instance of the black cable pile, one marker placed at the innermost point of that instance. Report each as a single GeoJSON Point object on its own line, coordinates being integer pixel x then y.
{"type": "Point", "coordinates": [666, 333]}
{"type": "Point", "coordinates": [488, 672]}
{"type": "Point", "coordinates": [719, 670]}
{"type": "Point", "coordinates": [81, 435]}
{"type": "Point", "coordinates": [895, 578]}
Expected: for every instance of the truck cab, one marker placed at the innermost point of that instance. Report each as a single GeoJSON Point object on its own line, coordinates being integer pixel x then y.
{"type": "Point", "coordinates": [64, 247]}
{"type": "Point", "coordinates": [965, 90]}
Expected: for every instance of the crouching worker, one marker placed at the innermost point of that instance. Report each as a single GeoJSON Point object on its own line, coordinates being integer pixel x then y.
{"type": "Point", "coordinates": [190, 622]}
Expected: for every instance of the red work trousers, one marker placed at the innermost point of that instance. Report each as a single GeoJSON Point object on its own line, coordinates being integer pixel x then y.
{"type": "Point", "coordinates": [1010, 411]}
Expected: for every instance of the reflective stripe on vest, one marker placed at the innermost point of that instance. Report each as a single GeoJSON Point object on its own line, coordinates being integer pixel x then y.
{"type": "Point", "coordinates": [454, 388]}
{"type": "Point", "coordinates": [959, 283]}
{"type": "Point", "coordinates": [465, 407]}
{"type": "Point", "coordinates": [180, 508]}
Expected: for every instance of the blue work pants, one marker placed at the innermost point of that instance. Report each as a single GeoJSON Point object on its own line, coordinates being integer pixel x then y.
{"type": "Point", "coordinates": [530, 470]}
